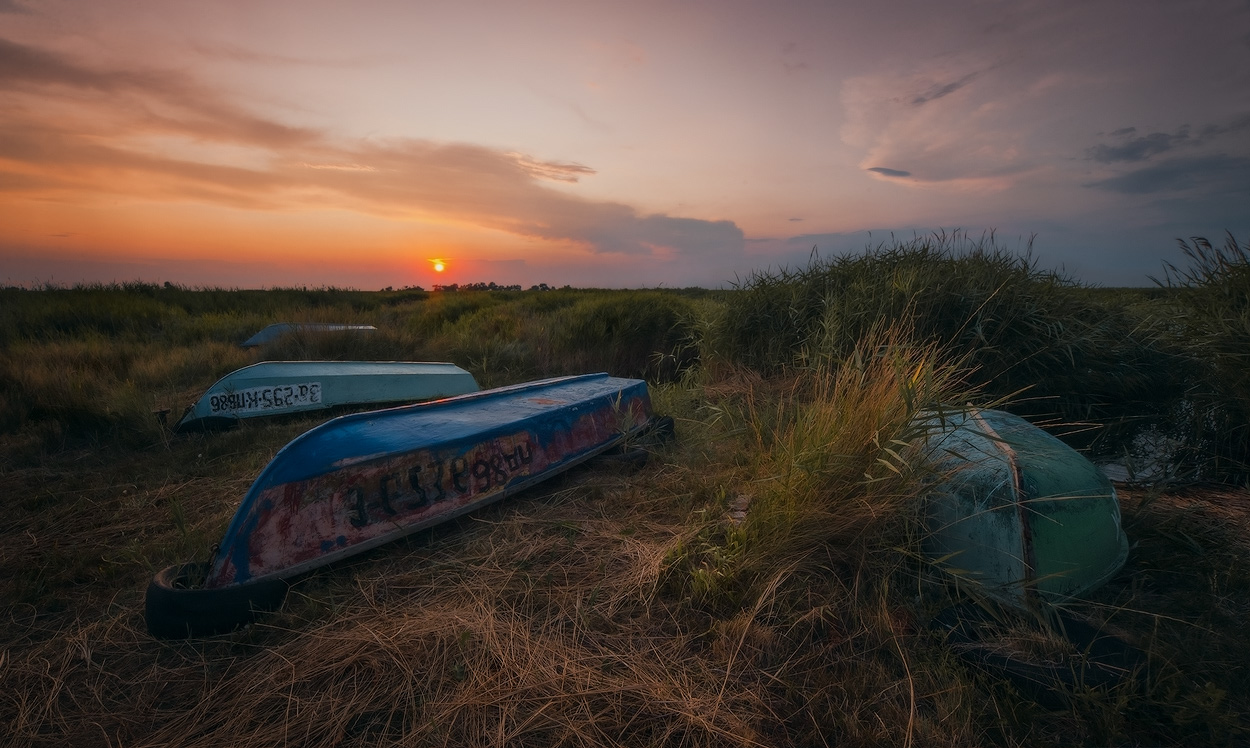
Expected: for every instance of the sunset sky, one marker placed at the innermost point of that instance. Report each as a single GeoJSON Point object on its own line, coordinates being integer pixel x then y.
{"type": "Point", "coordinates": [258, 143]}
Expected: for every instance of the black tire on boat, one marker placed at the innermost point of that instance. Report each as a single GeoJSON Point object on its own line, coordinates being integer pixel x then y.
{"type": "Point", "coordinates": [1105, 660]}
{"type": "Point", "coordinates": [176, 610]}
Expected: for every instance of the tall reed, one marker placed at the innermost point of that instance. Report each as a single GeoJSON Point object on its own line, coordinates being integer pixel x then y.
{"type": "Point", "coordinates": [1209, 325]}
{"type": "Point", "coordinates": [1028, 334]}
{"type": "Point", "coordinates": [832, 456]}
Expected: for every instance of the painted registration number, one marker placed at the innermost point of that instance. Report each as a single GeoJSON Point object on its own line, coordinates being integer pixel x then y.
{"type": "Point", "coordinates": [275, 397]}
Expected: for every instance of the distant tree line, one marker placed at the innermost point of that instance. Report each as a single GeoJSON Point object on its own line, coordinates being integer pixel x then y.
{"type": "Point", "coordinates": [492, 286]}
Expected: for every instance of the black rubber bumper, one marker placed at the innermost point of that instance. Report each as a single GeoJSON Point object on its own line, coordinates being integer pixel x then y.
{"type": "Point", "coordinates": [175, 609]}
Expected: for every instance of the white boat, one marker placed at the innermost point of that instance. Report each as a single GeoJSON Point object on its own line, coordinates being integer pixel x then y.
{"type": "Point", "coordinates": [273, 388]}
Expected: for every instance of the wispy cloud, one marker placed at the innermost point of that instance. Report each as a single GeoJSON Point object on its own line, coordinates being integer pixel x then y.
{"type": "Point", "coordinates": [98, 138]}
{"type": "Point", "coordinates": [554, 170]}
{"type": "Point", "coordinates": [939, 90]}
{"type": "Point", "coordinates": [1140, 148]}
{"type": "Point", "coordinates": [1223, 174]}
{"type": "Point", "coordinates": [235, 53]}
{"type": "Point", "coordinates": [1237, 125]}
{"type": "Point", "coordinates": [961, 134]}
{"type": "Point", "coordinates": [157, 99]}
{"type": "Point", "coordinates": [1207, 165]}
{"type": "Point", "coordinates": [1130, 149]}
{"type": "Point", "coordinates": [340, 167]}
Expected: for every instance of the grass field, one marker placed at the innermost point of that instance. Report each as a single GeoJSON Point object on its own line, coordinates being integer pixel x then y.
{"type": "Point", "coordinates": [758, 582]}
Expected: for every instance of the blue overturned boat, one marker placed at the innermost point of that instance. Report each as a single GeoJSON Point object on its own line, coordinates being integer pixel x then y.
{"type": "Point", "coordinates": [273, 388]}
{"type": "Point", "coordinates": [361, 480]}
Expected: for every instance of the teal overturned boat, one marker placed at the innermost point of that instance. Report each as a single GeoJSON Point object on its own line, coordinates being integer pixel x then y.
{"type": "Point", "coordinates": [273, 388]}
{"type": "Point", "coordinates": [1017, 512]}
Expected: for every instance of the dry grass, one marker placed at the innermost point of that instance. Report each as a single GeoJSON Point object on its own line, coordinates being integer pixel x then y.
{"type": "Point", "coordinates": [563, 618]}
{"type": "Point", "coordinates": [529, 624]}
{"type": "Point", "coordinates": [755, 584]}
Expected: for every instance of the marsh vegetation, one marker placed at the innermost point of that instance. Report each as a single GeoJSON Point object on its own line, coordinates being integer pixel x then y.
{"type": "Point", "coordinates": [758, 582]}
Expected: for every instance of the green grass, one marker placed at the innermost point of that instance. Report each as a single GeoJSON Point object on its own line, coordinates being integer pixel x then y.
{"type": "Point", "coordinates": [757, 583]}
{"type": "Point", "coordinates": [95, 361]}
{"type": "Point", "coordinates": [1208, 323]}
{"type": "Point", "coordinates": [1101, 365]}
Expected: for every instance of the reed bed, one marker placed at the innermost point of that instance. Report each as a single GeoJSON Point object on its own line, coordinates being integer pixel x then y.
{"type": "Point", "coordinates": [1030, 336]}
{"type": "Point", "coordinates": [1209, 325]}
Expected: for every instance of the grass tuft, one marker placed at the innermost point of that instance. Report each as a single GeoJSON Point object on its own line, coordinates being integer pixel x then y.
{"type": "Point", "coordinates": [1031, 336]}
{"type": "Point", "coordinates": [1210, 327]}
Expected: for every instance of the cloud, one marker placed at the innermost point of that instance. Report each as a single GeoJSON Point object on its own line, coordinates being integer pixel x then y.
{"type": "Point", "coordinates": [12, 6]}
{"type": "Point", "coordinates": [1143, 148]}
{"type": "Point", "coordinates": [1237, 125]}
{"type": "Point", "coordinates": [23, 66]}
{"type": "Point", "coordinates": [667, 236]}
{"type": "Point", "coordinates": [234, 53]}
{"type": "Point", "coordinates": [1002, 110]}
{"type": "Point", "coordinates": [61, 267]}
{"type": "Point", "coordinates": [554, 170]}
{"type": "Point", "coordinates": [943, 128]}
{"type": "Point", "coordinates": [1204, 173]}
{"type": "Point", "coordinates": [1139, 149]}
{"type": "Point", "coordinates": [340, 167]}
{"type": "Point", "coordinates": [937, 91]}
{"type": "Point", "coordinates": [66, 162]}
{"type": "Point", "coordinates": [86, 133]}
{"type": "Point", "coordinates": [11, 181]}
{"type": "Point", "coordinates": [156, 99]}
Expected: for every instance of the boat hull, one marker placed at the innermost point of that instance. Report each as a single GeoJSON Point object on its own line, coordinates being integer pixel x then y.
{"type": "Point", "coordinates": [362, 480]}
{"type": "Point", "coordinates": [1018, 512]}
{"type": "Point", "coordinates": [275, 331]}
{"type": "Point", "coordinates": [274, 388]}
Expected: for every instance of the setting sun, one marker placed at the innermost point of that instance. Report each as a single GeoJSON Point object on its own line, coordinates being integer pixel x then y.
{"type": "Point", "coordinates": [439, 266]}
